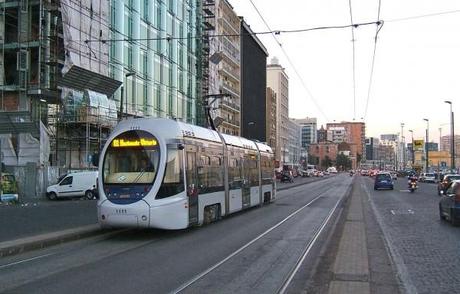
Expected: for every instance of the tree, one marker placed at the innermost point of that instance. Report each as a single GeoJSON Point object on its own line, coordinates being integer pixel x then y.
{"type": "Point", "coordinates": [313, 160]}
{"type": "Point", "coordinates": [343, 161]}
{"type": "Point", "coordinates": [326, 162]}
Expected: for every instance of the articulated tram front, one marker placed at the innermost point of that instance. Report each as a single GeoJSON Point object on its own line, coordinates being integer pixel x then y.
{"type": "Point", "coordinates": [165, 174]}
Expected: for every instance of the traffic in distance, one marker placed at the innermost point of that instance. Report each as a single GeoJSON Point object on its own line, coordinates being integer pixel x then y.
{"type": "Point", "coordinates": [448, 188]}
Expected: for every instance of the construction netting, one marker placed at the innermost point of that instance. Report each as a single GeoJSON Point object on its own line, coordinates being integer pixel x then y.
{"type": "Point", "coordinates": [85, 22]}
{"type": "Point", "coordinates": [88, 106]}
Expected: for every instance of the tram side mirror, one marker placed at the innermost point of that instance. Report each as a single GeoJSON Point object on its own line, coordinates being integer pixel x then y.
{"type": "Point", "coordinates": [95, 159]}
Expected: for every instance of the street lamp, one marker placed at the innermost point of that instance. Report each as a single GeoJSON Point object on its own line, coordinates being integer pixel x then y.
{"type": "Point", "coordinates": [426, 143]}
{"type": "Point", "coordinates": [251, 125]}
{"type": "Point", "coordinates": [403, 143]}
{"type": "Point", "coordinates": [452, 140]}
{"type": "Point", "coordinates": [412, 150]}
{"type": "Point", "coordinates": [128, 74]}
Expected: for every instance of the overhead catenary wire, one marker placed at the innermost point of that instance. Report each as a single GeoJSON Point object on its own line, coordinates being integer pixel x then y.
{"type": "Point", "coordinates": [354, 59]}
{"type": "Point", "coordinates": [289, 60]}
{"type": "Point", "coordinates": [423, 16]}
{"type": "Point", "coordinates": [377, 30]}
{"type": "Point", "coordinates": [272, 32]}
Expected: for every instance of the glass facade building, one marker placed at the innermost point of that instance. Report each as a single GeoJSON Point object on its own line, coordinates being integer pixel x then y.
{"type": "Point", "coordinates": [153, 52]}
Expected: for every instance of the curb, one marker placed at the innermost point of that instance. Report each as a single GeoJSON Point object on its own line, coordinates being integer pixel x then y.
{"type": "Point", "coordinates": [17, 246]}
{"type": "Point", "coordinates": [301, 184]}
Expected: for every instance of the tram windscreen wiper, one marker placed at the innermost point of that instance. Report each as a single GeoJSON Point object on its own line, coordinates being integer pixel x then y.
{"type": "Point", "coordinates": [139, 177]}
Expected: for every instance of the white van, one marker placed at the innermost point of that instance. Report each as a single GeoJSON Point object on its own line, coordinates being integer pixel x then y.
{"type": "Point", "coordinates": [75, 185]}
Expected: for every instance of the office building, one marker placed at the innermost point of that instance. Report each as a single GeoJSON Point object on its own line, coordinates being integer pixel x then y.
{"type": "Point", "coordinates": [309, 130]}
{"type": "Point", "coordinates": [278, 81]}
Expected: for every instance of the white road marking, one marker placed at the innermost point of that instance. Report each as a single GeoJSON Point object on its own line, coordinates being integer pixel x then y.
{"type": "Point", "coordinates": [393, 212]}
{"type": "Point", "coordinates": [25, 260]}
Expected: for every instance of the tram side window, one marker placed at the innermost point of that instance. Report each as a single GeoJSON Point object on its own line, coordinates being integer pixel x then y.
{"type": "Point", "coordinates": [210, 174]}
{"type": "Point", "coordinates": [267, 172]}
{"type": "Point", "coordinates": [173, 180]}
{"type": "Point", "coordinates": [253, 172]}
{"type": "Point", "coordinates": [234, 175]}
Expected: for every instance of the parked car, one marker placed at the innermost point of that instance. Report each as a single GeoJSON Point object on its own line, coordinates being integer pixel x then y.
{"type": "Point", "coordinates": [449, 204]}
{"type": "Point", "coordinates": [446, 180]}
{"type": "Point", "coordinates": [9, 188]}
{"type": "Point", "coordinates": [383, 181]}
{"type": "Point", "coordinates": [77, 184]}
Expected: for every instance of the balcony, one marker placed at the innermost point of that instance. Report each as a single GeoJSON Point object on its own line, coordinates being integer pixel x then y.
{"type": "Point", "coordinates": [232, 123]}
{"type": "Point", "coordinates": [226, 89]}
{"type": "Point", "coordinates": [230, 53]}
{"type": "Point", "coordinates": [229, 72]}
{"type": "Point", "coordinates": [230, 106]}
{"type": "Point", "coordinates": [228, 26]}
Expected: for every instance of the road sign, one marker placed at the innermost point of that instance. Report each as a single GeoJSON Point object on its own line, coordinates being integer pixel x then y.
{"type": "Point", "coordinates": [418, 145]}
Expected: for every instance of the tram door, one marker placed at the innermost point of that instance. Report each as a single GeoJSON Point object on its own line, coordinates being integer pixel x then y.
{"type": "Point", "coordinates": [192, 187]}
{"type": "Point", "coordinates": [246, 185]}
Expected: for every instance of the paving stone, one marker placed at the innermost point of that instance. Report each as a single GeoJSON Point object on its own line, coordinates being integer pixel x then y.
{"type": "Point", "coordinates": [340, 287]}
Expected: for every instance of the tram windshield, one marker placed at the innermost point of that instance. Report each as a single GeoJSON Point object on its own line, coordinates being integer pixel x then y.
{"type": "Point", "coordinates": [132, 158]}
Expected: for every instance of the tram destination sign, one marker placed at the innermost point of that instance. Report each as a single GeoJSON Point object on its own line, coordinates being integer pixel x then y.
{"type": "Point", "coordinates": [120, 143]}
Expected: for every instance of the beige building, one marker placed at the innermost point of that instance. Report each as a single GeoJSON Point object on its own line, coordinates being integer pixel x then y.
{"type": "Point", "coordinates": [224, 66]}
{"type": "Point", "coordinates": [271, 118]}
{"type": "Point", "coordinates": [278, 80]}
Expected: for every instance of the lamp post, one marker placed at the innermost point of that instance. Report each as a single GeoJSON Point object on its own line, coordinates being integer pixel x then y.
{"type": "Point", "coordinates": [251, 125]}
{"type": "Point", "coordinates": [452, 140]}
{"type": "Point", "coordinates": [403, 144]}
{"type": "Point", "coordinates": [123, 95]}
{"type": "Point", "coordinates": [426, 143]}
{"type": "Point", "coordinates": [412, 149]}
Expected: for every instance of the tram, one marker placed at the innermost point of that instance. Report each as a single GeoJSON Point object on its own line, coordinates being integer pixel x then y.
{"type": "Point", "coordinates": [162, 173]}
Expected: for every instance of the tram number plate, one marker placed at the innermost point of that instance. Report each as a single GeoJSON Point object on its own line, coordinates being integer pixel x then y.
{"type": "Point", "coordinates": [124, 196]}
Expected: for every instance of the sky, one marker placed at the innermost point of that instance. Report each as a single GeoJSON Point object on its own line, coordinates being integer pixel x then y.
{"type": "Point", "coordinates": [416, 68]}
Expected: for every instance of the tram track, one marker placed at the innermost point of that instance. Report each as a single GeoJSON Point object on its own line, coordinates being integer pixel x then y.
{"type": "Point", "coordinates": [307, 208]}
{"type": "Point", "coordinates": [305, 252]}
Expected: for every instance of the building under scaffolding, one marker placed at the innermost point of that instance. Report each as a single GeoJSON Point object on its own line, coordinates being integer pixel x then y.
{"type": "Point", "coordinates": [55, 99]}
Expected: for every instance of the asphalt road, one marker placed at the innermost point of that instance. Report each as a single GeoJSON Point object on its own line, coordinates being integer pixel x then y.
{"type": "Point", "coordinates": [36, 217]}
{"type": "Point", "coordinates": [154, 261]}
{"type": "Point", "coordinates": [426, 250]}
{"type": "Point", "coordinates": [44, 216]}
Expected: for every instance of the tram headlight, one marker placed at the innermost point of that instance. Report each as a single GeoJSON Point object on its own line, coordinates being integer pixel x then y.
{"type": "Point", "coordinates": [144, 218]}
{"type": "Point", "coordinates": [103, 217]}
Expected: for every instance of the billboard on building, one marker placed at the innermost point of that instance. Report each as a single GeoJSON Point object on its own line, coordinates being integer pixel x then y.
{"type": "Point", "coordinates": [419, 145]}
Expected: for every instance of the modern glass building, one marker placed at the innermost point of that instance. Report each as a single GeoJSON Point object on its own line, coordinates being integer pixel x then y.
{"type": "Point", "coordinates": [153, 52]}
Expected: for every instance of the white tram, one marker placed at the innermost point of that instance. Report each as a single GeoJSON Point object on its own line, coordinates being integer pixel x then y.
{"type": "Point", "coordinates": [162, 173]}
